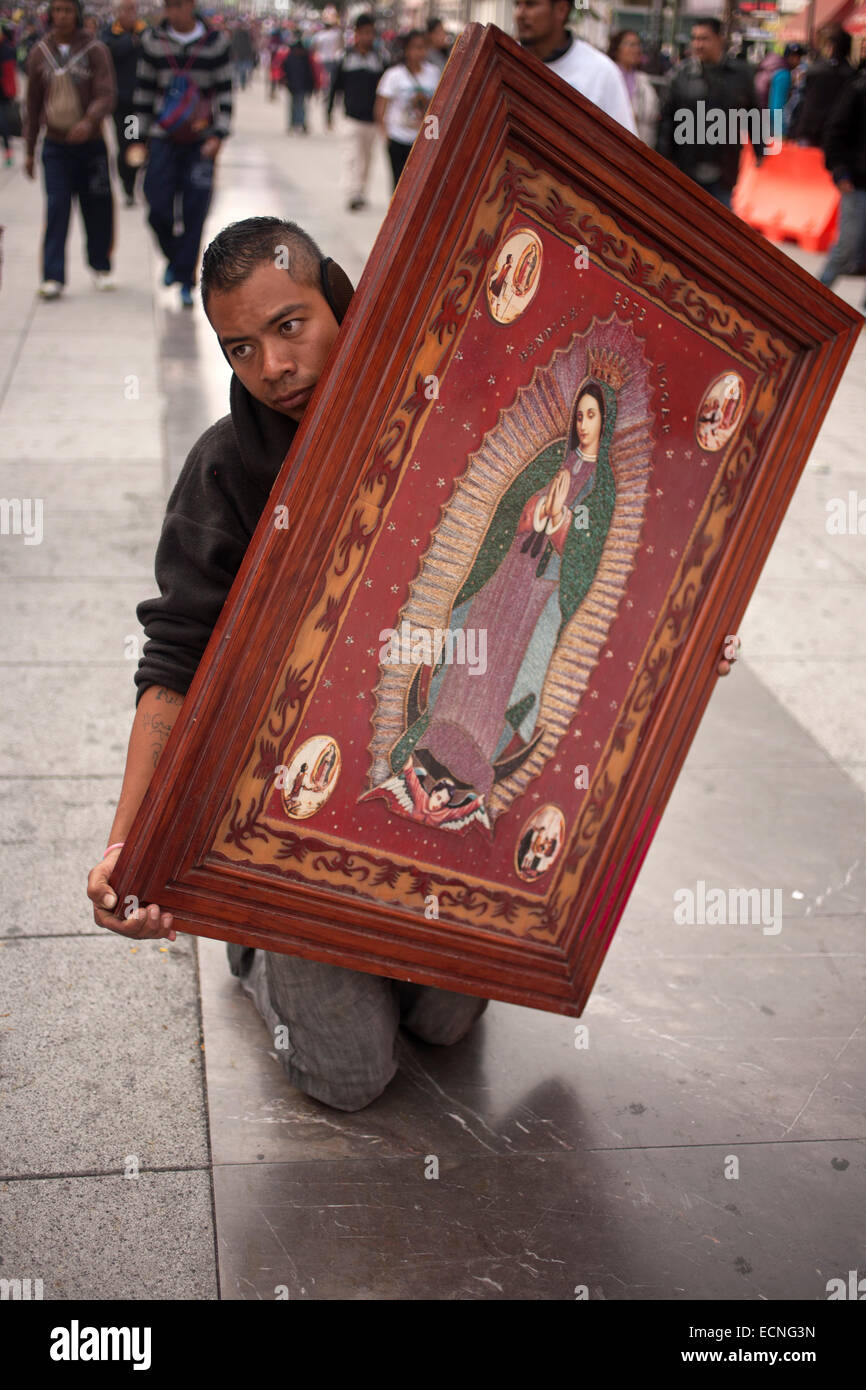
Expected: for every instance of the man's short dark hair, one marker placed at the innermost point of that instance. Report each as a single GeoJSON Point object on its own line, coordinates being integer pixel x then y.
{"type": "Point", "coordinates": [710, 23]}
{"type": "Point", "coordinates": [364, 21]}
{"type": "Point", "coordinates": [242, 247]}
{"type": "Point", "coordinates": [433, 23]}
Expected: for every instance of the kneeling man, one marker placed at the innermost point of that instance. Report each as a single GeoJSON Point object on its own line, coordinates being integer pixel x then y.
{"type": "Point", "coordinates": [276, 327]}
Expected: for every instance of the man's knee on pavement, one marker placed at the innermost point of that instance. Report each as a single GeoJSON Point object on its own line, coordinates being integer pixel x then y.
{"type": "Point", "coordinates": [437, 1016]}
{"type": "Point", "coordinates": [342, 1030]}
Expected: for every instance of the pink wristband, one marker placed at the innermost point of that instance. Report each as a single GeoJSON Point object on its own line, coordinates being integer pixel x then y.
{"type": "Point", "coordinates": [118, 845]}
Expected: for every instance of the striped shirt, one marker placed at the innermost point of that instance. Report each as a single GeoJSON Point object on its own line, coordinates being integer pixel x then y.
{"type": "Point", "coordinates": [210, 70]}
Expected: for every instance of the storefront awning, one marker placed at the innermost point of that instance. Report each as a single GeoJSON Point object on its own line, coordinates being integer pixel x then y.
{"type": "Point", "coordinates": [856, 20]}
{"type": "Point", "coordinates": [826, 12]}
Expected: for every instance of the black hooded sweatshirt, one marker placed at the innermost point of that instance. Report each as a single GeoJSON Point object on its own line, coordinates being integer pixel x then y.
{"type": "Point", "coordinates": [212, 512]}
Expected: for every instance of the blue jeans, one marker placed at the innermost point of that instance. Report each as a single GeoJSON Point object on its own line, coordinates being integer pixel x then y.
{"type": "Point", "coordinates": [76, 171]}
{"type": "Point", "coordinates": [298, 110]}
{"type": "Point", "coordinates": [178, 172]}
{"type": "Point", "coordinates": [848, 254]}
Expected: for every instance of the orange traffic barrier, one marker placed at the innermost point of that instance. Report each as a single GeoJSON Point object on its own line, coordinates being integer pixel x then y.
{"type": "Point", "coordinates": [789, 197]}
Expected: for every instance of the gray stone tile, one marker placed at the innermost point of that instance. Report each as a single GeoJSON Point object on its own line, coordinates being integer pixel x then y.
{"type": "Point", "coordinates": [48, 621]}
{"type": "Point", "coordinates": [73, 484]}
{"type": "Point", "coordinates": [127, 439]}
{"type": "Point", "coordinates": [836, 688]}
{"type": "Point", "coordinates": [679, 1048]}
{"type": "Point", "coordinates": [799, 831]}
{"type": "Point", "coordinates": [745, 728]}
{"type": "Point", "coordinates": [92, 713]}
{"type": "Point", "coordinates": [810, 625]}
{"type": "Point", "coordinates": [9, 343]}
{"type": "Point", "coordinates": [87, 544]}
{"type": "Point", "coordinates": [103, 1044]}
{"type": "Point", "coordinates": [103, 408]}
{"type": "Point", "coordinates": [634, 1225]}
{"type": "Point", "coordinates": [803, 554]}
{"type": "Point", "coordinates": [105, 1238]}
{"type": "Point", "coordinates": [52, 832]}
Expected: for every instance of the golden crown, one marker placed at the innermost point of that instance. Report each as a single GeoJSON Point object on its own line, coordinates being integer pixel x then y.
{"type": "Point", "coordinates": [604, 365]}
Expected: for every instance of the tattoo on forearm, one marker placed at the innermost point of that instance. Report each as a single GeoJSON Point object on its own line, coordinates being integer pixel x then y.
{"type": "Point", "coordinates": [170, 697]}
{"type": "Point", "coordinates": [157, 732]}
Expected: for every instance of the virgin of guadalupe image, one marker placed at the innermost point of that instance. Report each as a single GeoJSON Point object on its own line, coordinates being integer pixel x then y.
{"type": "Point", "coordinates": [529, 573]}
{"type": "Point", "coordinates": [526, 268]}
{"type": "Point", "coordinates": [534, 567]}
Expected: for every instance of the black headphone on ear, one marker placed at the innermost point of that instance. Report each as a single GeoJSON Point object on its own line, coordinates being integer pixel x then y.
{"type": "Point", "coordinates": [336, 287]}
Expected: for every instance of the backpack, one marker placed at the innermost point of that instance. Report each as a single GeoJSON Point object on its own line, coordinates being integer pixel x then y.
{"type": "Point", "coordinates": [63, 107]}
{"type": "Point", "coordinates": [186, 113]}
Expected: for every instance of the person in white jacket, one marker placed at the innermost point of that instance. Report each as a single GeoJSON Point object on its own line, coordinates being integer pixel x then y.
{"type": "Point", "coordinates": [540, 27]}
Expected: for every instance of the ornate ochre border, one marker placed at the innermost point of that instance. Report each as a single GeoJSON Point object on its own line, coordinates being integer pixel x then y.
{"type": "Point", "coordinates": [246, 830]}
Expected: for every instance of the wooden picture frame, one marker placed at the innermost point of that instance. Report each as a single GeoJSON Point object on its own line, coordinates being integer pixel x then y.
{"type": "Point", "coordinates": [301, 804]}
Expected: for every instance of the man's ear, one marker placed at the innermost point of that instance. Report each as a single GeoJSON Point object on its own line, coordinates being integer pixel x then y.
{"type": "Point", "coordinates": [336, 287]}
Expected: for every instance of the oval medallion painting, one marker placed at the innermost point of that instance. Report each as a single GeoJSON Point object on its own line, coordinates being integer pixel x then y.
{"type": "Point", "coordinates": [311, 777]}
{"type": "Point", "coordinates": [720, 411]}
{"type": "Point", "coordinates": [514, 278]}
{"type": "Point", "coordinates": [539, 843]}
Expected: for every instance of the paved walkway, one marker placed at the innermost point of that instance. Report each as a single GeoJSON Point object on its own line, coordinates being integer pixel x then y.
{"type": "Point", "coordinates": [557, 1167]}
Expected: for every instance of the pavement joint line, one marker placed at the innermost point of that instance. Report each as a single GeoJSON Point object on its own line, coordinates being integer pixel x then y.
{"type": "Point", "coordinates": [412, 1158]}
{"type": "Point", "coordinates": [19, 347]}
{"type": "Point", "coordinates": [103, 1172]}
{"type": "Point", "coordinates": [207, 1118]}
{"type": "Point", "coordinates": [59, 776]}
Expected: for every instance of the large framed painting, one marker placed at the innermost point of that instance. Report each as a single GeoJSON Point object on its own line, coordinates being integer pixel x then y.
{"type": "Point", "coordinates": [439, 720]}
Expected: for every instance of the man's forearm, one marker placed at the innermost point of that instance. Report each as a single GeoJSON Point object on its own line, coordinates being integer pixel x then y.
{"type": "Point", "coordinates": [154, 720]}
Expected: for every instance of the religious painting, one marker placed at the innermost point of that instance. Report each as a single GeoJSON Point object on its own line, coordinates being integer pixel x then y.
{"type": "Point", "coordinates": [517, 267]}
{"type": "Point", "coordinates": [528, 502]}
{"type": "Point", "coordinates": [720, 412]}
{"type": "Point", "coordinates": [310, 777]}
{"type": "Point", "coordinates": [540, 842]}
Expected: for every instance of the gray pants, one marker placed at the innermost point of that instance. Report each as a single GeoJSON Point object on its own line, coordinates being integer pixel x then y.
{"type": "Point", "coordinates": [342, 1024]}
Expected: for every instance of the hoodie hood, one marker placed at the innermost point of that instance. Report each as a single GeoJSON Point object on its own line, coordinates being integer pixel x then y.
{"type": "Point", "coordinates": [264, 436]}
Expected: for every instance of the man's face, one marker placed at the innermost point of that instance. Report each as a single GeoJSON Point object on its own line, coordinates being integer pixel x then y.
{"type": "Point", "coordinates": [127, 14]}
{"type": "Point", "coordinates": [64, 18]}
{"type": "Point", "coordinates": [277, 334]}
{"type": "Point", "coordinates": [437, 36]}
{"type": "Point", "coordinates": [364, 38]}
{"type": "Point", "coordinates": [179, 14]}
{"type": "Point", "coordinates": [706, 46]}
{"type": "Point", "coordinates": [539, 21]}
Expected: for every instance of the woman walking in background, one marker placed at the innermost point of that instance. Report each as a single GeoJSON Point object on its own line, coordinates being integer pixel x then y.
{"type": "Point", "coordinates": [403, 96]}
{"type": "Point", "coordinates": [627, 52]}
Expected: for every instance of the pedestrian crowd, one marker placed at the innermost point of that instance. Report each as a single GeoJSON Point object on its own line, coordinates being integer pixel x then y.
{"type": "Point", "coordinates": [169, 81]}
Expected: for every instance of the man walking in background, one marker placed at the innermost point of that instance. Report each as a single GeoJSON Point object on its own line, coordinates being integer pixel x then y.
{"type": "Point", "coordinates": [845, 157]}
{"type": "Point", "coordinates": [540, 29]}
{"type": "Point", "coordinates": [357, 77]}
{"type": "Point", "coordinates": [123, 41]}
{"type": "Point", "coordinates": [183, 100]}
{"type": "Point", "coordinates": [709, 81]}
{"type": "Point", "coordinates": [70, 90]}
{"type": "Point", "coordinates": [300, 82]}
